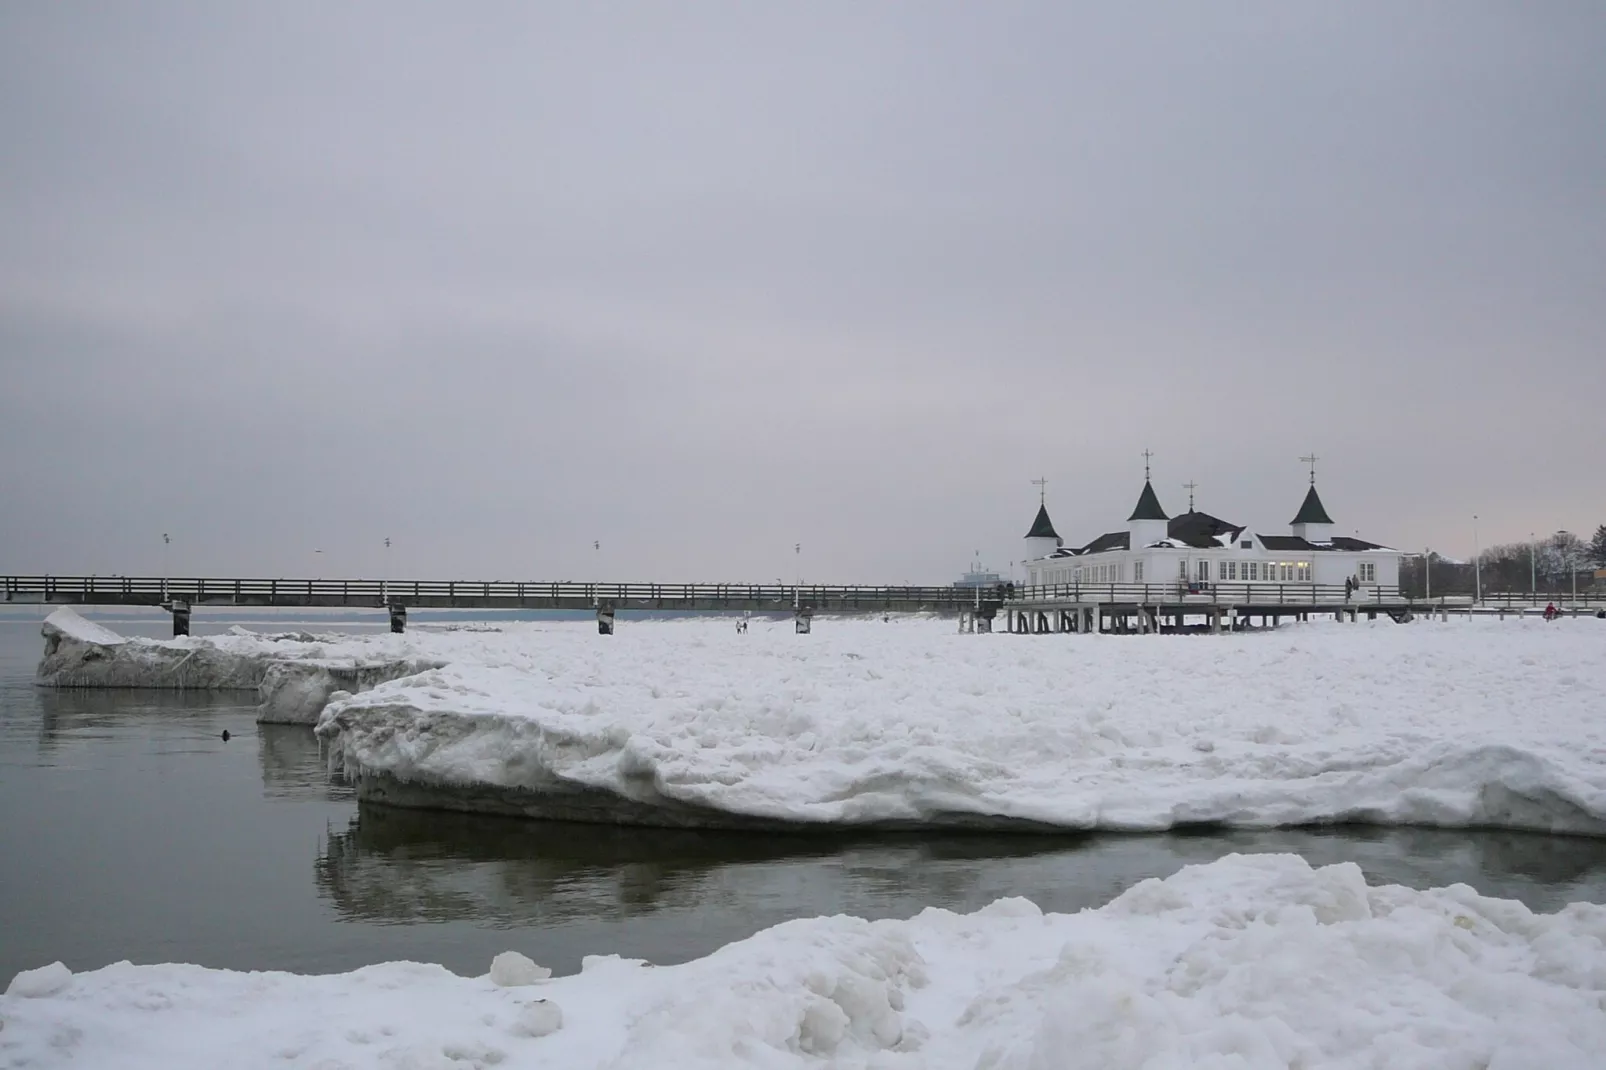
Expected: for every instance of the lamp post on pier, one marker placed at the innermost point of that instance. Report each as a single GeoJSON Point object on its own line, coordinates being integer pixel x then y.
{"type": "Point", "coordinates": [1477, 562]}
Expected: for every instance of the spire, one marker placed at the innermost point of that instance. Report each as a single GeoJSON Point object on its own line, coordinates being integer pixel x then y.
{"type": "Point", "coordinates": [1148, 507]}
{"type": "Point", "coordinates": [1312, 512]}
{"type": "Point", "coordinates": [1042, 527]}
{"type": "Point", "coordinates": [1190, 486]}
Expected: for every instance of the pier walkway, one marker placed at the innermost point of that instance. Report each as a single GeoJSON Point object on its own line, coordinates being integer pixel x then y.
{"type": "Point", "coordinates": [1117, 607]}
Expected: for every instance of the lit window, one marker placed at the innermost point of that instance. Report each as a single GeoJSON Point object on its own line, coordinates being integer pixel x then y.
{"type": "Point", "coordinates": [1304, 571]}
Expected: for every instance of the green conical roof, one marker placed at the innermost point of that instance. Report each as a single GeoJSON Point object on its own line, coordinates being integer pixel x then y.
{"type": "Point", "coordinates": [1042, 527]}
{"type": "Point", "coordinates": [1312, 512]}
{"type": "Point", "coordinates": [1148, 507]}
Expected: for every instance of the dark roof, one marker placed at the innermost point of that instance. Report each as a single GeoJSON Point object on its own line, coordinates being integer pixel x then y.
{"type": "Point", "coordinates": [1344, 542]}
{"type": "Point", "coordinates": [1200, 529]}
{"type": "Point", "coordinates": [1284, 542]}
{"type": "Point", "coordinates": [1115, 540]}
{"type": "Point", "coordinates": [1148, 507]}
{"type": "Point", "coordinates": [1042, 527]}
{"type": "Point", "coordinates": [1312, 512]}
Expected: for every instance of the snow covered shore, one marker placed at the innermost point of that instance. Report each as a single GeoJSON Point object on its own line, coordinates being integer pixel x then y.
{"type": "Point", "coordinates": [1250, 961]}
{"type": "Point", "coordinates": [1470, 723]}
{"type": "Point", "coordinates": [906, 724]}
{"type": "Point", "coordinates": [294, 673]}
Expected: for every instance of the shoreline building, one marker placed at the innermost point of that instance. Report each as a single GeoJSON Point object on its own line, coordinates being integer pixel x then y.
{"type": "Point", "coordinates": [1196, 552]}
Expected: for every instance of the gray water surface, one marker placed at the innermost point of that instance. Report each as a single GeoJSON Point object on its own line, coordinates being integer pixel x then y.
{"type": "Point", "coordinates": [130, 830]}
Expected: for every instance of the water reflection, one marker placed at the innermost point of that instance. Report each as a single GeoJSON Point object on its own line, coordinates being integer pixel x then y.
{"type": "Point", "coordinates": [294, 765]}
{"type": "Point", "coordinates": [398, 866]}
{"type": "Point", "coordinates": [76, 715]}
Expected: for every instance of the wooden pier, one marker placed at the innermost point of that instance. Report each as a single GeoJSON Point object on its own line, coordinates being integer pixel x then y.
{"type": "Point", "coordinates": [495, 594]}
{"type": "Point", "coordinates": [1079, 608]}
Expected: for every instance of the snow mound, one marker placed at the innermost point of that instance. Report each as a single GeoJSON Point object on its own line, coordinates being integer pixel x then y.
{"type": "Point", "coordinates": [66, 623]}
{"type": "Point", "coordinates": [296, 692]}
{"type": "Point", "coordinates": [295, 673]}
{"type": "Point", "coordinates": [511, 969]}
{"type": "Point", "coordinates": [1495, 725]}
{"type": "Point", "coordinates": [37, 984]}
{"type": "Point", "coordinates": [1252, 962]}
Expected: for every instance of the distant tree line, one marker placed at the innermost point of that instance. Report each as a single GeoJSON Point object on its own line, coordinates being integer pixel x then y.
{"type": "Point", "coordinates": [1551, 565]}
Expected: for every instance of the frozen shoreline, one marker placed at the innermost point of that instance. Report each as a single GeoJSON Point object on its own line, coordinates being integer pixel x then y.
{"type": "Point", "coordinates": [1483, 723]}
{"type": "Point", "coordinates": [1466, 724]}
{"type": "Point", "coordinates": [1253, 961]}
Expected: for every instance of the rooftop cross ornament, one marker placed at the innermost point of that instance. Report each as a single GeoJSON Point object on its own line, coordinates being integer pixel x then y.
{"type": "Point", "coordinates": [1311, 460]}
{"type": "Point", "coordinates": [1147, 453]}
{"type": "Point", "coordinates": [1042, 490]}
{"type": "Point", "coordinates": [1189, 486]}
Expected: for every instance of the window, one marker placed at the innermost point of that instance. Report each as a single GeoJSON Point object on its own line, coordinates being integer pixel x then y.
{"type": "Point", "coordinates": [1204, 571]}
{"type": "Point", "coordinates": [1368, 572]}
{"type": "Point", "coordinates": [1137, 572]}
{"type": "Point", "coordinates": [1251, 571]}
{"type": "Point", "coordinates": [1182, 567]}
{"type": "Point", "coordinates": [1304, 572]}
{"type": "Point", "coordinates": [1247, 544]}
{"type": "Point", "coordinates": [1229, 570]}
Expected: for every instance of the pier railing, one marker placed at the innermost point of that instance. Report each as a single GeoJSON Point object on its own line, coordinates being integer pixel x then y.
{"type": "Point", "coordinates": [1239, 594]}
{"type": "Point", "coordinates": [148, 590]}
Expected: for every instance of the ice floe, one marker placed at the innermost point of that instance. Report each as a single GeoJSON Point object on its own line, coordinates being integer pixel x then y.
{"type": "Point", "coordinates": [1483, 723]}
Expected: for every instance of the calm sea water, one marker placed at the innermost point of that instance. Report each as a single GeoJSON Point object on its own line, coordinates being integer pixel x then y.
{"type": "Point", "coordinates": [130, 830]}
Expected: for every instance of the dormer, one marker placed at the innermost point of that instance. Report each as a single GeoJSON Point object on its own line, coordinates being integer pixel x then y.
{"type": "Point", "coordinates": [1312, 523]}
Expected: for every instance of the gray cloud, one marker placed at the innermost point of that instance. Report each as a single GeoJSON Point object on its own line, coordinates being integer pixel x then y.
{"type": "Point", "coordinates": [703, 282]}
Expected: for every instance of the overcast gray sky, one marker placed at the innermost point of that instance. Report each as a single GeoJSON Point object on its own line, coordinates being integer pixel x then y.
{"type": "Point", "coordinates": [703, 281]}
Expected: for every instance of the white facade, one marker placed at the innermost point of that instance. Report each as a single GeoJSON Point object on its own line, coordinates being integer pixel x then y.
{"type": "Point", "coordinates": [1198, 549]}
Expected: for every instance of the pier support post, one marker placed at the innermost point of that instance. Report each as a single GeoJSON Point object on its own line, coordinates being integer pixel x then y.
{"type": "Point", "coordinates": [398, 617]}
{"type": "Point", "coordinates": [802, 620]}
{"type": "Point", "coordinates": [984, 617]}
{"type": "Point", "coordinates": [604, 618]}
{"type": "Point", "coordinates": [181, 616]}
{"type": "Point", "coordinates": [967, 622]}
{"type": "Point", "coordinates": [1215, 621]}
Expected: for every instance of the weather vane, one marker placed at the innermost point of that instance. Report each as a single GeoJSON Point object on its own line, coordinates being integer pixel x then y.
{"type": "Point", "coordinates": [1189, 486]}
{"type": "Point", "coordinates": [1311, 460]}
{"type": "Point", "coordinates": [1042, 490]}
{"type": "Point", "coordinates": [1147, 454]}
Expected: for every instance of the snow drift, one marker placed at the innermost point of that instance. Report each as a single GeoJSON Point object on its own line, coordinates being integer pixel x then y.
{"type": "Point", "coordinates": [1252, 962]}
{"type": "Point", "coordinates": [1485, 723]}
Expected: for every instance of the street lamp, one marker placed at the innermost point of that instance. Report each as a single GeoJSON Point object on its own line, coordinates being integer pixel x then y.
{"type": "Point", "coordinates": [1477, 561]}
